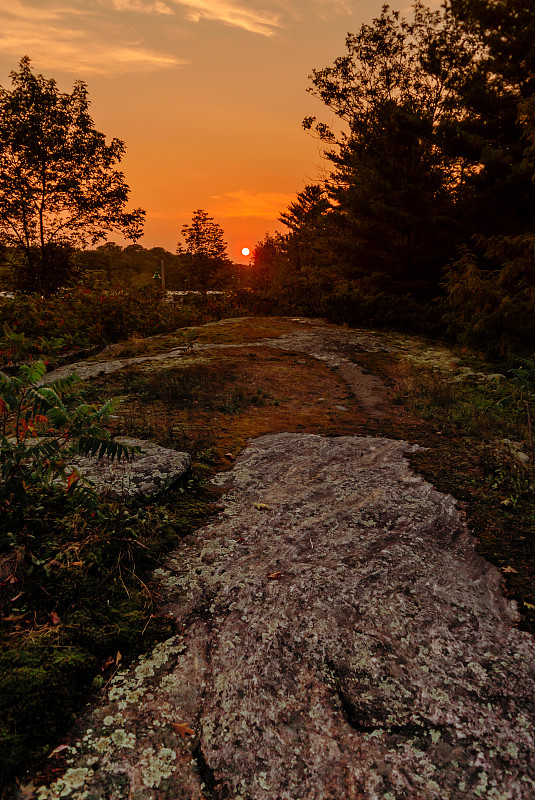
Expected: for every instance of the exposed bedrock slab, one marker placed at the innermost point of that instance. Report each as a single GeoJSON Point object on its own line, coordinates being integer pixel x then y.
{"type": "Point", "coordinates": [329, 344]}
{"type": "Point", "coordinates": [341, 640]}
{"type": "Point", "coordinates": [149, 472]}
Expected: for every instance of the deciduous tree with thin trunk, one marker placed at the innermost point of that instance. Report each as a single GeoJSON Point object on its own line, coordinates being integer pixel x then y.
{"type": "Point", "coordinates": [60, 188]}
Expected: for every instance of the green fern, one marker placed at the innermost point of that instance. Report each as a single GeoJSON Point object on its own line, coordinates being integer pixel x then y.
{"type": "Point", "coordinates": [101, 446]}
{"type": "Point", "coordinates": [41, 425]}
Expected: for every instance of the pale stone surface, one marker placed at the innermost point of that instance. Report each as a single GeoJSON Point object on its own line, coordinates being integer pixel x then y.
{"type": "Point", "coordinates": [150, 472]}
{"type": "Point", "coordinates": [341, 640]}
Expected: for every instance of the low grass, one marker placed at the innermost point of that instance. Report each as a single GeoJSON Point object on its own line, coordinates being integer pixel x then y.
{"type": "Point", "coordinates": [213, 403]}
{"type": "Point", "coordinates": [243, 329]}
{"type": "Point", "coordinates": [154, 345]}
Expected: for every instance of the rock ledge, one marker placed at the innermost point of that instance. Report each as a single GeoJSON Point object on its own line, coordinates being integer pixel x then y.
{"type": "Point", "coordinates": [341, 640]}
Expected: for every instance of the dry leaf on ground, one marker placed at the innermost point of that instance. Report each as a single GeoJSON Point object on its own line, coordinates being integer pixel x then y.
{"type": "Point", "coordinates": [183, 729]}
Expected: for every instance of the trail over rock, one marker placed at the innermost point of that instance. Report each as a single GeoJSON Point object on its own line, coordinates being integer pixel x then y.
{"type": "Point", "coordinates": [328, 344]}
{"type": "Point", "coordinates": [341, 638]}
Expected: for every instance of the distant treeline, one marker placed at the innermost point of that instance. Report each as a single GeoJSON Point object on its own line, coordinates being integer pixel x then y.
{"type": "Point", "coordinates": [115, 267]}
{"type": "Point", "coordinates": [134, 265]}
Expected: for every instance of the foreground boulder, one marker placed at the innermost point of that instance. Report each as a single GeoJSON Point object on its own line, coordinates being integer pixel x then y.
{"type": "Point", "coordinates": [340, 639]}
{"type": "Point", "coordinates": [149, 472]}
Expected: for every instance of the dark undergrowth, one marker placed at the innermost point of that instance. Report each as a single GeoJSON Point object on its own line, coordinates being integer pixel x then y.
{"type": "Point", "coordinates": [81, 320]}
{"type": "Point", "coordinates": [77, 601]}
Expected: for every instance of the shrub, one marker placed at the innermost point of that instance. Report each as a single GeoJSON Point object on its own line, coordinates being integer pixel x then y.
{"type": "Point", "coordinates": [84, 317]}
{"type": "Point", "coordinates": [16, 348]}
{"type": "Point", "coordinates": [492, 309]}
{"type": "Point", "coordinates": [40, 426]}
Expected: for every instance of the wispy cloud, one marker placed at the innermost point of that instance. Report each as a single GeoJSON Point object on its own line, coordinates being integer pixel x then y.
{"type": "Point", "coordinates": [73, 39]}
{"type": "Point", "coordinates": [229, 12]}
{"type": "Point", "coordinates": [244, 203]}
{"type": "Point", "coordinates": [141, 7]}
{"type": "Point", "coordinates": [237, 15]}
{"type": "Point", "coordinates": [112, 37]}
{"type": "Point", "coordinates": [326, 9]}
{"type": "Point", "coordinates": [266, 22]}
{"type": "Point", "coordinates": [37, 13]}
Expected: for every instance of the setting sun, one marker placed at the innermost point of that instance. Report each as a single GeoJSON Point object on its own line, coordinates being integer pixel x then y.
{"type": "Point", "coordinates": [245, 251]}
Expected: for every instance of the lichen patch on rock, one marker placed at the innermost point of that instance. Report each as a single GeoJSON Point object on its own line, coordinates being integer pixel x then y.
{"type": "Point", "coordinates": [151, 471]}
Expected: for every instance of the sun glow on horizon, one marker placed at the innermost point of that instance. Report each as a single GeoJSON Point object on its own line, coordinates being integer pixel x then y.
{"type": "Point", "coordinates": [231, 144]}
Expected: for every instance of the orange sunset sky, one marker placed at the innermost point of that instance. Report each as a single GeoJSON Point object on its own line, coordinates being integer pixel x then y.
{"type": "Point", "coordinates": [208, 96]}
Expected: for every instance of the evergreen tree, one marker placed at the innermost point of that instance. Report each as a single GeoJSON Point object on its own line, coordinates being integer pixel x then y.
{"type": "Point", "coordinates": [393, 183]}
{"type": "Point", "coordinates": [270, 264]}
{"type": "Point", "coordinates": [204, 253]}
{"type": "Point", "coordinates": [307, 219]}
{"type": "Point", "coordinates": [499, 194]}
{"type": "Point", "coordinates": [491, 287]}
